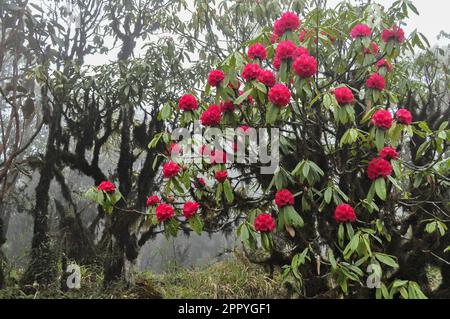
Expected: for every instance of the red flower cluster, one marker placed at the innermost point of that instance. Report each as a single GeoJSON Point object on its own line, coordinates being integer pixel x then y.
{"type": "Point", "coordinates": [378, 167]}
{"type": "Point", "coordinates": [251, 71]}
{"type": "Point", "coordinates": [384, 64]}
{"type": "Point", "coordinates": [200, 182]}
{"type": "Point", "coordinates": [267, 78]}
{"type": "Point", "coordinates": [211, 116]}
{"type": "Point", "coordinates": [107, 187]}
{"type": "Point", "coordinates": [305, 66]}
{"type": "Point", "coordinates": [288, 21]}
{"type": "Point", "coordinates": [344, 213]}
{"type": "Point", "coordinates": [403, 116]}
{"type": "Point", "coordinates": [221, 176]}
{"type": "Point", "coordinates": [215, 77]}
{"type": "Point", "coordinates": [395, 33]}
{"type": "Point", "coordinates": [375, 81]}
{"type": "Point", "coordinates": [170, 169]}
{"type": "Point", "coordinates": [187, 102]}
{"type": "Point", "coordinates": [153, 200]}
{"type": "Point", "coordinates": [382, 119]}
{"type": "Point", "coordinates": [279, 95]}
{"type": "Point", "coordinates": [344, 95]}
{"type": "Point", "coordinates": [276, 62]}
{"type": "Point", "coordinates": [283, 198]}
{"type": "Point", "coordinates": [264, 223]}
{"type": "Point", "coordinates": [361, 30]}
{"type": "Point", "coordinates": [164, 211]}
{"type": "Point", "coordinates": [300, 51]}
{"type": "Point", "coordinates": [226, 106]}
{"type": "Point", "coordinates": [285, 50]}
{"type": "Point", "coordinates": [190, 209]}
{"type": "Point", "coordinates": [388, 153]}
{"type": "Point", "coordinates": [244, 128]}
{"type": "Point", "coordinates": [374, 50]}
{"type": "Point", "coordinates": [257, 51]}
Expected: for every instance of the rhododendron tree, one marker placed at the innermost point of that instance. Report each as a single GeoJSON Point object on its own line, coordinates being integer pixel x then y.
{"type": "Point", "coordinates": [340, 193]}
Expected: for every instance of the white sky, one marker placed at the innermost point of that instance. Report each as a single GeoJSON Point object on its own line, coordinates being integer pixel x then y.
{"type": "Point", "coordinates": [432, 19]}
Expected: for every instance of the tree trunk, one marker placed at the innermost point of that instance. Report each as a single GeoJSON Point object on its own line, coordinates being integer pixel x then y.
{"type": "Point", "coordinates": [2, 241]}
{"type": "Point", "coordinates": [42, 268]}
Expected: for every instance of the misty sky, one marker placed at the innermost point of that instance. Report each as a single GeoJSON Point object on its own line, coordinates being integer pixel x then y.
{"type": "Point", "coordinates": [432, 20]}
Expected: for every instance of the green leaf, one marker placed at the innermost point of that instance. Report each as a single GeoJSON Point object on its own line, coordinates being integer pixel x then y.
{"type": "Point", "coordinates": [242, 97]}
{"type": "Point", "coordinates": [228, 191]}
{"type": "Point", "coordinates": [165, 112]}
{"type": "Point", "coordinates": [380, 188]}
{"type": "Point", "coordinates": [272, 113]}
{"type": "Point", "coordinates": [196, 224]}
{"type": "Point", "coordinates": [386, 259]}
{"type": "Point", "coordinates": [328, 194]}
{"type": "Point", "coordinates": [379, 138]}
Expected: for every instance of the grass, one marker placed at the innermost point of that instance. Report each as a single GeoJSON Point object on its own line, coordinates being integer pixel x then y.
{"type": "Point", "coordinates": [235, 277]}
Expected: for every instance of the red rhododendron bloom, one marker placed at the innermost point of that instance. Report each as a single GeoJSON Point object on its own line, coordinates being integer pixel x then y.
{"type": "Point", "coordinates": [276, 62]}
{"type": "Point", "coordinates": [267, 78]}
{"type": "Point", "coordinates": [344, 95]}
{"type": "Point", "coordinates": [251, 71]}
{"type": "Point", "coordinates": [200, 182]}
{"type": "Point", "coordinates": [279, 95]}
{"type": "Point", "coordinates": [361, 30]}
{"type": "Point", "coordinates": [211, 116]}
{"type": "Point", "coordinates": [288, 21]}
{"type": "Point", "coordinates": [375, 81]}
{"type": "Point", "coordinates": [170, 169]}
{"type": "Point", "coordinates": [285, 50]}
{"type": "Point", "coordinates": [190, 209]}
{"type": "Point", "coordinates": [283, 198]}
{"type": "Point", "coordinates": [164, 211]}
{"type": "Point", "coordinates": [221, 176]}
{"type": "Point", "coordinates": [153, 200]}
{"type": "Point", "coordinates": [107, 187]}
{"type": "Point", "coordinates": [344, 213]}
{"type": "Point", "coordinates": [257, 51]}
{"type": "Point", "coordinates": [226, 106]}
{"type": "Point", "coordinates": [264, 223]}
{"type": "Point", "coordinates": [373, 50]}
{"type": "Point", "coordinates": [218, 157]}
{"type": "Point", "coordinates": [187, 102]}
{"type": "Point", "coordinates": [388, 153]}
{"type": "Point", "coordinates": [299, 52]}
{"type": "Point", "coordinates": [384, 64]}
{"type": "Point", "coordinates": [382, 119]}
{"type": "Point", "coordinates": [215, 77]}
{"type": "Point", "coordinates": [305, 66]}
{"type": "Point", "coordinates": [403, 116]}
{"type": "Point", "coordinates": [244, 128]}
{"type": "Point", "coordinates": [378, 167]}
{"type": "Point", "coordinates": [395, 33]}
